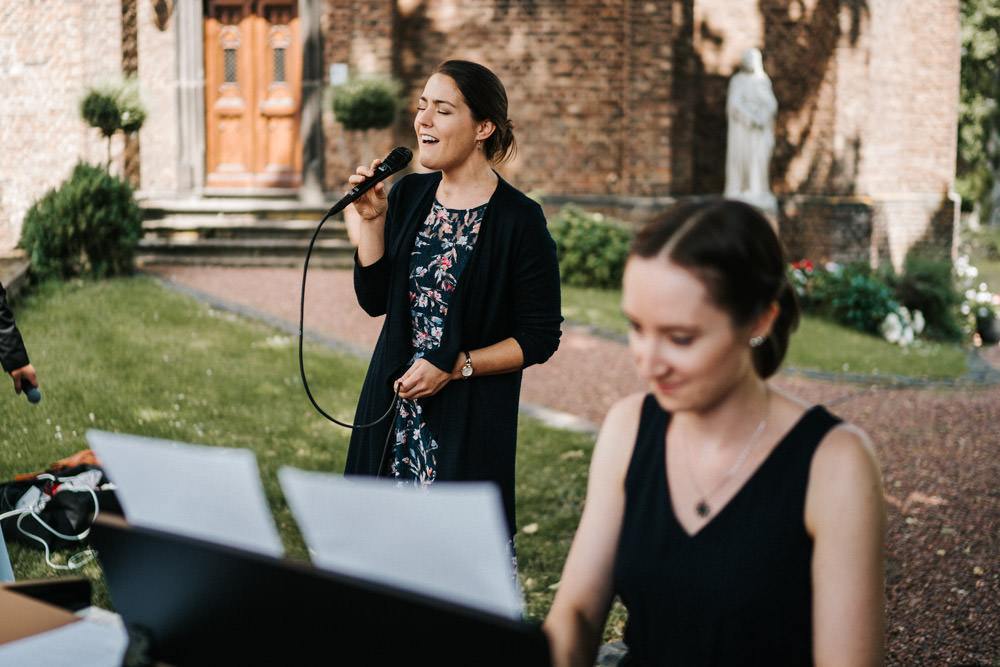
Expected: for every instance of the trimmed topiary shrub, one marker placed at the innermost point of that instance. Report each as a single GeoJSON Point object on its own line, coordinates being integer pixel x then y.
{"type": "Point", "coordinates": [90, 225]}
{"type": "Point", "coordinates": [100, 109]}
{"type": "Point", "coordinates": [367, 102]}
{"type": "Point", "coordinates": [592, 248]}
{"type": "Point", "coordinates": [111, 107]}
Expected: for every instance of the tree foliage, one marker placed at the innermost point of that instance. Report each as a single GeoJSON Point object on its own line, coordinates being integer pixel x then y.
{"type": "Point", "coordinates": [979, 113]}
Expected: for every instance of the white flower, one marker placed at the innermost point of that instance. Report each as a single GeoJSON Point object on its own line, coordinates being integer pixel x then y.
{"type": "Point", "coordinates": [902, 327]}
{"type": "Point", "coordinates": [892, 328]}
{"type": "Point", "coordinates": [907, 337]}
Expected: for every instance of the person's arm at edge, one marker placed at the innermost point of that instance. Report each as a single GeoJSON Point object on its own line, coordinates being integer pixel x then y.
{"type": "Point", "coordinates": [845, 514]}
{"type": "Point", "coordinates": [13, 355]}
{"type": "Point", "coordinates": [575, 622]}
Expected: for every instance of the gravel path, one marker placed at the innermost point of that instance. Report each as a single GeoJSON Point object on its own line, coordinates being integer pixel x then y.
{"type": "Point", "coordinates": [938, 446]}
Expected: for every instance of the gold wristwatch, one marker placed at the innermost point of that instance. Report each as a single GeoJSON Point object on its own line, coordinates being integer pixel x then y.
{"type": "Point", "coordinates": [467, 368]}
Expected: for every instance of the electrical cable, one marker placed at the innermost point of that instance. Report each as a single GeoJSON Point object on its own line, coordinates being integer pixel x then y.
{"type": "Point", "coordinates": [75, 561]}
{"type": "Point", "coordinates": [393, 405]}
{"type": "Point", "coordinates": [393, 162]}
{"type": "Point", "coordinates": [302, 369]}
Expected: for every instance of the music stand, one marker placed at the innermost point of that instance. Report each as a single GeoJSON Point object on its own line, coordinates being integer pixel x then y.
{"type": "Point", "coordinates": [191, 602]}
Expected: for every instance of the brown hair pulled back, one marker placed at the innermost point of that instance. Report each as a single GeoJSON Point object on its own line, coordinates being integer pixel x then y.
{"type": "Point", "coordinates": [735, 252]}
{"type": "Point", "coordinates": [487, 99]}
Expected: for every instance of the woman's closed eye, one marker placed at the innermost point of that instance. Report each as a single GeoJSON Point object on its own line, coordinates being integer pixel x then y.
{"type": "Point", "coordinates": [678, 339]}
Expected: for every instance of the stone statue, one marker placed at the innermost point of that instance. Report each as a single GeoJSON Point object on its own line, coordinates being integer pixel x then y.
{"type": "Point", "coordinates": [750, 109]}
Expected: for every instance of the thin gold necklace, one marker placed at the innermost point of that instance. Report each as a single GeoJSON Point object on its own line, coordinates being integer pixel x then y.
{"type": "Point", "coordinates": [702, 507]}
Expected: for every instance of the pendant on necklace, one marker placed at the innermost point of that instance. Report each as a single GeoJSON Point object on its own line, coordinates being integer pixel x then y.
{"type": "Point", "coordinates": [702, 508]}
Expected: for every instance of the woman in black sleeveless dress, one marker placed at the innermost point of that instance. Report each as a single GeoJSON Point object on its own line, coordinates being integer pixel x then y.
{"type": "Point", "coordinates": [739, 525]}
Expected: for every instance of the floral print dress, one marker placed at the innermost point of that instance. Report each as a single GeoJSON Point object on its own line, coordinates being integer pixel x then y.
{"type": "Point", "coordinates": [440, 252]}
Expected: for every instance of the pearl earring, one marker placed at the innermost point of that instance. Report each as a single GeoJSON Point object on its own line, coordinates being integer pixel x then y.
{"type": "Point", "coordinates": [757, 341]}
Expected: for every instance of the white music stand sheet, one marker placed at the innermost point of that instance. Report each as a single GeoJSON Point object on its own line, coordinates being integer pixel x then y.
{"type": "Point", "coordinates": [209, 493]}
{"type": "Point", "coordinates": [447, 540]}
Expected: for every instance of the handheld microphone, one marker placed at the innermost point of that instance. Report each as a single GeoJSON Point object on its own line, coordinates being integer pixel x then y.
{"type": "Point", "coordinates": [393, 162]}
{"type": "Point", "coordinates": [32, 393]}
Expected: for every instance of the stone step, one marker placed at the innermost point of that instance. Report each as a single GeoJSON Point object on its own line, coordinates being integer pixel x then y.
{"type": "Point", "coordinates": [208, 227]}
{"type": "Point", "coordinates": [327, 252]}
{"type": "Point", "coordinates": [270, 260]}
{"type": "Point", "coordinates": [252, 232]}
{"type": "Point", "coordinates": [260, 208]}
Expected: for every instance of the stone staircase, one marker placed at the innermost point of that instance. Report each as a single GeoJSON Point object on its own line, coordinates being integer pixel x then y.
{"type": "Point", "coordinates": [241, 232]}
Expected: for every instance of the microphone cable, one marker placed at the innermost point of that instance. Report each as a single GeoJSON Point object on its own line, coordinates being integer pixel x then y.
{"type": "Point", "coordinates": [302, 368]}
{"type": "Point", "coordinates": [395, 161]}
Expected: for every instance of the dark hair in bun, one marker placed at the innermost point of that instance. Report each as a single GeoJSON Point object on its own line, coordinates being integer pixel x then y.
{"type": "Point", "coordinates": [487, 99]}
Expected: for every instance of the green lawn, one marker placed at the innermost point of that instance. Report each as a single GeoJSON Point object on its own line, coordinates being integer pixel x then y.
{"type": "Point", "coordinates": [129, 355]}
{"type": "Point", "coordinates": [817, 345]}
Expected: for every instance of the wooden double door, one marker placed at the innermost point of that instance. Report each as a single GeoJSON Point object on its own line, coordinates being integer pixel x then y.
{"type": "Point", "coordinates": [253, 92]}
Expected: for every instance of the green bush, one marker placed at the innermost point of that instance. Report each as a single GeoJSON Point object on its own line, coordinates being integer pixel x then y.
{"type": "Point", "coordinates": [367, 102]}
{"type": "Point", "coordinates": [928, 285]}
{"type": "Point", "coordinates": [853, 295]}
{"type": "Point", "coordinates": [592, 248]}
{"type": "Point", "coordinates": [860, 297]}
{"type": "Point", "coordinates": [90, 225]}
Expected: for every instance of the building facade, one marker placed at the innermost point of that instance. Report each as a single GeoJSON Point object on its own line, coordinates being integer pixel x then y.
{"type": "Point", "coordinates": [617, 104]}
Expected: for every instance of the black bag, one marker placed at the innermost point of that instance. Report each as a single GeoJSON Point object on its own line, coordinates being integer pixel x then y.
{"type": "Point", "coordinates": [55, 509]}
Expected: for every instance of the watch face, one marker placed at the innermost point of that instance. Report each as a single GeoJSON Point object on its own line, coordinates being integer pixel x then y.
{"type": "Point", "coordinates": [466, 371]}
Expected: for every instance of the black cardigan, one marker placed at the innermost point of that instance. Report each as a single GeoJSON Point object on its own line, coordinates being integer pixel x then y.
{"type": "Point", "coordinates": [509, 288]}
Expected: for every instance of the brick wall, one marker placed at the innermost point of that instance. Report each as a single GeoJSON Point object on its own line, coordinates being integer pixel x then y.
{"type": "Point", "coordinates": [49, 52]}
{"type": "Point", "coordinates": [360, 35]}
{"type": "Point", "coordinates": [613, 100]}
{"type": "Point", "coordinates": [867, 95]}
{"type": "Point", "coordinates": [589, 81]}
{"type": "Point", "coordinates": [627, 99]}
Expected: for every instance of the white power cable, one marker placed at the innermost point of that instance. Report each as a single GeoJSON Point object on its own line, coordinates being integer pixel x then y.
{"type": "Point", "coordinates": [78, 559]}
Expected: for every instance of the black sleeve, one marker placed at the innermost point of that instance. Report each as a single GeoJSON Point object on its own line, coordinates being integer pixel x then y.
{"type": "Point", "coordinates": [12, 352]}
{"type": "Point", "coordinates": [536, 290]}
{"type": "Point", "coordinates": [371, 283]}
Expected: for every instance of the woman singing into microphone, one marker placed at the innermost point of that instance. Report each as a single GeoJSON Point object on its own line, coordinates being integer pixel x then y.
{"type": "Point", "coordinates": [461, 264]}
